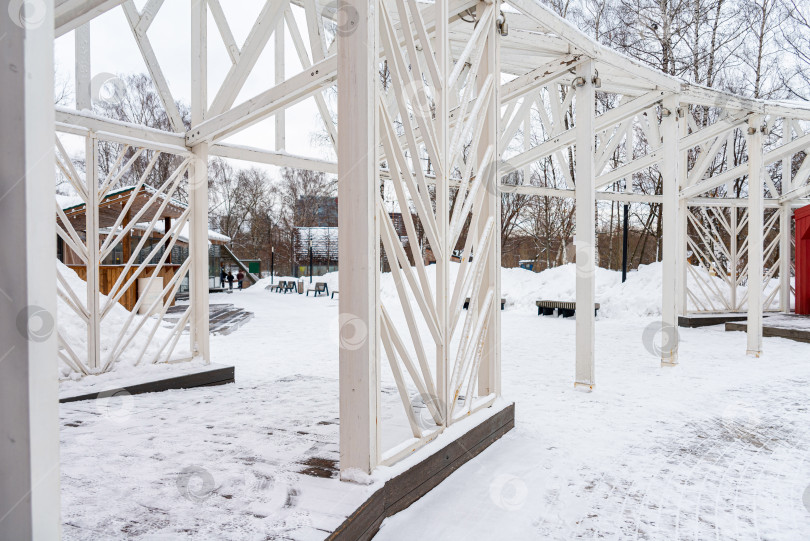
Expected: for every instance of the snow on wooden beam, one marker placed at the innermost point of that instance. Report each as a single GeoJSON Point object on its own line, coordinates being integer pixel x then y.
{"type": "Point", "coordinates": [291, 91]}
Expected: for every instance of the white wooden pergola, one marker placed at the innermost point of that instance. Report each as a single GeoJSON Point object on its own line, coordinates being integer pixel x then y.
{"type": "Point", "coordinates": [438, 101]}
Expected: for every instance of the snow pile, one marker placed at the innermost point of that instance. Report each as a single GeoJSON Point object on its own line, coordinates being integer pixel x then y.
{"type": "Point", "coordinates": [73, 330]}
{"type": "Point", "coordinates": [640, 295]}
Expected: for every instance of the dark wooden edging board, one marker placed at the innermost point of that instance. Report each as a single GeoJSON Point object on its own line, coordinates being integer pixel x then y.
{"type": "Point", "coordinates": [778, 332]}
{"type": "Point", "coordinates": [706, 321]}
{"type": "Point", "coordinates": [206, 378]}
{"type": "Point", "coordinates": [401, 491]}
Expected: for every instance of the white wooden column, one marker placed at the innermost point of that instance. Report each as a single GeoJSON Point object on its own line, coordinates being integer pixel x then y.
{"type": "Point", "coordinates": [280, 116]}
{"type": "Point", "coordinates": [756, 172]}
{"type": "Point", "coordinates": [586, 227]}
{"type": "Point", "coordinates": [785, 255]}
{"type": "Point", "coordinates": [786, 224]}
{"type": "Point", "coordinates": [198, 186]}
{"type": "Point", "coordinates": [671, 192]}
{"type": "Point", "coordinates": [443, 107]}
{"type": "Point", "coordinates": [681, 260]}
{"type": "Point", "coordinates": [734, 264]}
{"type": "Point", "coordinates": [83, 72]}
{"type": "Point", "coordinates": [489, 373]}
{"type": "Point", "coordinates": [683, 250]}
{"type": "Point", "coordinates": [198, 252]}
{"type": "Point", "coordinates": [29, 408]}
{"type": "Point", "coordinates": [91, 225]}
{"type": "Point", "coordinates": [358, 238]}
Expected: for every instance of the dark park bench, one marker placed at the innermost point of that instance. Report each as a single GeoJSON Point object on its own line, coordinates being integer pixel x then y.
{"type": "Point", "coordinates": [467, 303]}
{"type": "Point", "coordinates": [565, 309]}
{"type": "Point", "coordinates": [320, 287]}
{"type": "Point", "coordinates": [283, 286]}
{"type": "Point", "coordinates": [335, 292]}
{"type": "Point", "coordinates": [278, 286]}
{"type": "Point", "coordinates": [290, 286]}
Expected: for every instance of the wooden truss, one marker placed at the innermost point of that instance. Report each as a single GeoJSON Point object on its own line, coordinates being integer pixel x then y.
{"type": "Point", "coordinates": [438, 103]}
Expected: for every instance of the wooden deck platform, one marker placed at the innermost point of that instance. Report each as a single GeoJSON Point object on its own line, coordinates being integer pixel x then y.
{"type": "Point", "coordinates": [222, 318]}
{"type": "Point", "coordinates": [788, 326]}
{"type": "Point", "coordinates": [707, 320]}
{"type": "Point", "coordinates": [213, 374]}
{"type": "Point", "coordinates": [401, 491]}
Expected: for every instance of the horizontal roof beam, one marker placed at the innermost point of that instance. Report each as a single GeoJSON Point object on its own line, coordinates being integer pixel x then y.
{"type": "Point", "coordinates": [571, 194]}
{"type": "Point", "coordinates": [271, 157]}
{"type": "Point", "coordinates": [770, 202]}
{"type": "Point", "coordinates": [71, 14]}
{"type": "Point", "coordinates": [709, 97]}
{"type": "Point", "coordinates": [80, 122]}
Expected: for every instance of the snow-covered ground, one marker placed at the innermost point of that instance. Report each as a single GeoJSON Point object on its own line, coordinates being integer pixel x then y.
{"type": "Point", "coordinates": [714, 448]}
{"type": "Point", "coordinates": [143, 337]}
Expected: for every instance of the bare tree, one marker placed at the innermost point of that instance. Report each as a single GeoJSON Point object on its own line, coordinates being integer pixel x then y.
{"type": "Point", "coordinates": [796, 36]}
{"type": "Point", "coordinates": [134, 99]}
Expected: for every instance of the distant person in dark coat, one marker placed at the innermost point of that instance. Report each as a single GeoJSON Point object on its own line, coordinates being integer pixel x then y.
{"type": "Point", "coordinates": [222, 277]}
{"type": "Point", "coordinates": [240, 276]}
{"type": "Point", "coordinates": [230, 280]}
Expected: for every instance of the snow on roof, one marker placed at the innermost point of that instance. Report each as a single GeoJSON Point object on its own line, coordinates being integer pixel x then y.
{"type": "Point", "coordinates": [318, 233]}
{"type": "Point", "coordinates": [183, 236]}
{"type": "Point", "coordinates": [69, 202]}
{"type": "Point", "coordinates": [324, 242]}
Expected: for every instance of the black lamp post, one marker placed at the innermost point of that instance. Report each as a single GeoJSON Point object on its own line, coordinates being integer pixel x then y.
{"type": "Point", "coordinates": [310, 261]}
{"type": "Point", "coordinates": [272, 262]}
{"type": "Point", "coordinates": [624, 242]}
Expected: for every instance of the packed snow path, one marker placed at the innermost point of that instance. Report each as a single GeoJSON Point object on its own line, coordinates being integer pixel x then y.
{"type": "Point", "coordinates": [714, 448]}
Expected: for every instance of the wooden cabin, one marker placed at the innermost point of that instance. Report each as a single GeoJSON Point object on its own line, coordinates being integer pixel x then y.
{"type": "Point", "coordinates": [113, 215]}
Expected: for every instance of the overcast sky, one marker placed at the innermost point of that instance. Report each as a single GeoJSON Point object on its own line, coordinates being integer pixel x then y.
{"type": "Point", "coordinates": [115, 51]}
